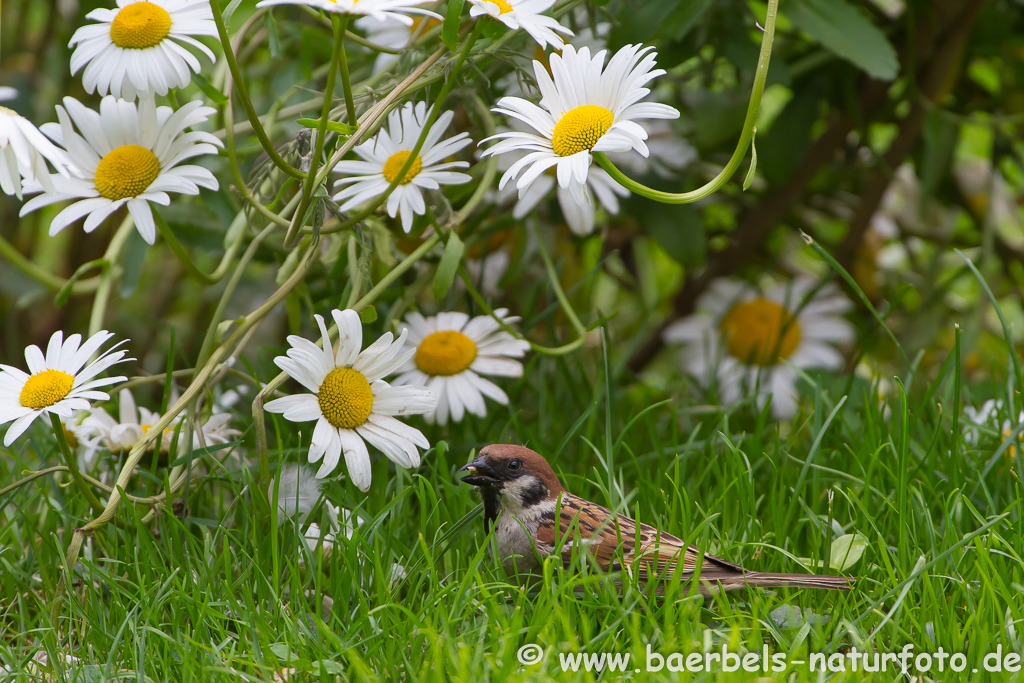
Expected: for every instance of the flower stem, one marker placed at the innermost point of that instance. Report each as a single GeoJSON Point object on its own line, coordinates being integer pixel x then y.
{"type": "Point", "coordinates": [339, 24]}
{"type": "Point", "coordinates": [107, 277]}
{"type": "Point", "coordinates": [243, 96]}
{"type": "Point", "coordinates": [746, 136]}
{"type": "Point", "coordinates": [346, 79]}
{"type": "Point", "coordinates": [72, 461]}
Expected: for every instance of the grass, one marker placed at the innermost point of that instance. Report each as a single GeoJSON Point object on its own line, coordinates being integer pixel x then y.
{"type": "Point", "coordinates": [216, 595]}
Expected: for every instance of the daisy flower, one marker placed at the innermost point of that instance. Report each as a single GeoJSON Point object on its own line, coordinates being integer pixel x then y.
{"type": "Point", "coordinates": [449, 352]}
{"type": "Point", "coordinates": [385, 155]}
{"type": "Point", "coordinates": [380, 10]}
{"type": "Point", "coordinates": [754, 342]}
{"type": "Point", "coordinates": [579, 217]}
{"type": "Point", "coordinates": [24, 151]}
{"type": "Point", "coordinates": [585, 107]}
{"type": "Point", "coordinates": [58, 383]}
{"type": "Point", "coordinates": [526, 15]}
{"type": "Point", "coordinates": [350, 401]}
{"type": "Point", "coordinates": [140, 47]}
{"type": "Point", "coordinates": [125, 154]}
{"type": "Point", "coordinates": [101, 430]}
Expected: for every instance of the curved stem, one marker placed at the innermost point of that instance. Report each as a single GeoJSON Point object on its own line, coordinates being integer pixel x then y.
{"type": "Point", "coordinates": [41, 275]}
{"type": "Point", "coordinates": [467, 280]}
{"type": "Point", "coordinates": [72, 462]}
{"type": "Point", "coordinates": [339, 24]}
{"type": "Point", "coordinates": [243, 95]}
{"type": "Point", "coordinates": [435, 111]}
{"type": "Point", "coordinates": [190, 266]}
{"type": "Point", "coordinates": [747, 134]}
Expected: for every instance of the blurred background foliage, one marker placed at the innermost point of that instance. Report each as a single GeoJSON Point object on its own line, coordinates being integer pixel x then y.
{"type": "Point", "coordinates": [889, 133]}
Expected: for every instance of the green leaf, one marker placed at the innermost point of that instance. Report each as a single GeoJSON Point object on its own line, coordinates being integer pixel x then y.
{"type": "Point", "coordinates": [445, 275]}
{"type": "Point", "coordinates": [326, 666]}
{"type": "Point", "coordinates": [332, 126]}
{"type": "Point", "coordinates": [273, 36]}
{"type": "Point", "coordinates": [847, 551]}
{"type": "Point", "coordinates": [679, 23]}
{"type": "Point", "coordinates": [229, 11]}
{"type": "Point", "coordinates": [132, 260]}
{"type": "Point", "coordinates": [368, 315]}
{"type": "Point", "coordinates": [841, 28]}
{"type": "Point", "coordinates": [753, 162]}
{"type": "Point", "coordinates": [214, 95]}
{"type": "Point", "coordinates": [452, 21]}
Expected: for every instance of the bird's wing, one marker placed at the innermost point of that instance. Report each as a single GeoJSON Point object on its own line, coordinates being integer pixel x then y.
{"type": "Point", "coordinates": [616, 539]}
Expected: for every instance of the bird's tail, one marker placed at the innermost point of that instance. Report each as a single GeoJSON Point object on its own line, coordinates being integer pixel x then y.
{"type": "Point", "coordinates": [765, 580]}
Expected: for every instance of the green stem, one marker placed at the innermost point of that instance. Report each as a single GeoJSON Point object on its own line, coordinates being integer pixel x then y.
{"type": "Point", "coordinates": [243, 95]}
{"type": "Point", "coordinates": [99, 303]}
{"type": "Point", "coordinates": [556, 285]}
{"type": "Point", "coordinates": [41, 275]}
{"type": "Point", "coordinates": [339, 24]}
{"type": "Point", "coordinates": [355, 272]}
{"type": "Point", "coordinates": [544, 350]}
{"type": "Point", "coordinates": [435, 111]}
{"type": "Point", "coordinates": [179, 250]}
{"type": "Point", "coordinates": [72, 461]}
{"type": "Point", "coordinates": [229, 290]}
{"type": "Point", "coordinates": [346, 78]}
{"type": "Point", "coordinates": [746, 135]}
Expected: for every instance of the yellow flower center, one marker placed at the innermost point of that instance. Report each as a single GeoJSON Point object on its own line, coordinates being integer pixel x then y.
{"type": "Point", "coordinates": [580, 129]}
{"type": "Point", "coordinates": [760, 332]}
{"type": "Point", "coordinates": [126, 172]}
{"type": "Point", "coordinates": [445, 353]}
{"type": "Point", "coordinates": [395, 163]}
{"type": "Point", "coordinates": [45, 388]}
{"type": "Point", "coordinates": [503, 7]}
{"type": "Point", "coordinates": [140, 25]}
{"type": "Point", "coordinates": [345, 398]}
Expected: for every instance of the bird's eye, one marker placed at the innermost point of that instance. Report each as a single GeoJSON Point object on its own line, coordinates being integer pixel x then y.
{"type": "Point", "coordinates": [514, 465]}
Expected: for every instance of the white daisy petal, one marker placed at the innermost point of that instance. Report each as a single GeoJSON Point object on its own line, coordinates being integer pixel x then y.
{"type": "Point", "coordinates": [127, 153]}
{"type": "Point", "coordinates": [57, 382]}
{"type": "Point", "coordinates": [386, 155]}
{"type": "Point", "coordinates": [755, 343]}
{"type": "Point", "coordinates": [137, 49]}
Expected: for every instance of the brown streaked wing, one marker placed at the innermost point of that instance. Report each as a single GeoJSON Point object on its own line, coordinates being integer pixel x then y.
{"type": "Point", "coordinates": [617, 534]}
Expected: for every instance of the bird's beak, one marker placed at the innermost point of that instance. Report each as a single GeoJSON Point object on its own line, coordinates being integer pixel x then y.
{"type": "Point", "coordinates": [480, 473]}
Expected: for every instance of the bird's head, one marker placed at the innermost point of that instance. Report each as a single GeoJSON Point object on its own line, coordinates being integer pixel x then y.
{"type": "Point", "coordinates": [511, 477]}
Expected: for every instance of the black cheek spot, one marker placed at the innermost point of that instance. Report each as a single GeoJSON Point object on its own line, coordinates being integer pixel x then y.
{"type": "Point", "coordinates": [534, 493]}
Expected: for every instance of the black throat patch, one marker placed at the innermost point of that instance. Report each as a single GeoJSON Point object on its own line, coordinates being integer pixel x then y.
{"type": "Point", "coordinates": [490, 496]}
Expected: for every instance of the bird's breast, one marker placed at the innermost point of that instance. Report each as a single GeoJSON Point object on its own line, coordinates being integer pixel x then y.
{"type": "Point", "coordinates": [515, 533]}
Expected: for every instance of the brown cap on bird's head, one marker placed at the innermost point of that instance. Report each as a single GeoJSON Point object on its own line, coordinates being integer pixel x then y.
{"type": "Point", "coordinates": [502, 462]}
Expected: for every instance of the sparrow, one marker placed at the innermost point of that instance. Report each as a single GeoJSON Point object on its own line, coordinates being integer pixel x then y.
{"type": "Point", "coordinates": [531, 513]}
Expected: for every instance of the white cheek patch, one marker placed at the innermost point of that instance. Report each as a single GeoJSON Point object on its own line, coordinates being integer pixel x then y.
{"type": "Point", "coordinates": [513, 492]}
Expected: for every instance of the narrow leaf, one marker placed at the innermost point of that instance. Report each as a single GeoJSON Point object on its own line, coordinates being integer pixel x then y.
{"type": "Point", "coordinates": [841, 28]}
{"type": "Point", "coordinates": [214, 95]}
{"type": "Point", "coordinates": [452, 20]}
{"type": "Point", "coordinates": [449, 264]}
{"type": "Point", "coordinates": [332, 126]}
{"type": "Point", "coordinates": [753, 162]}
